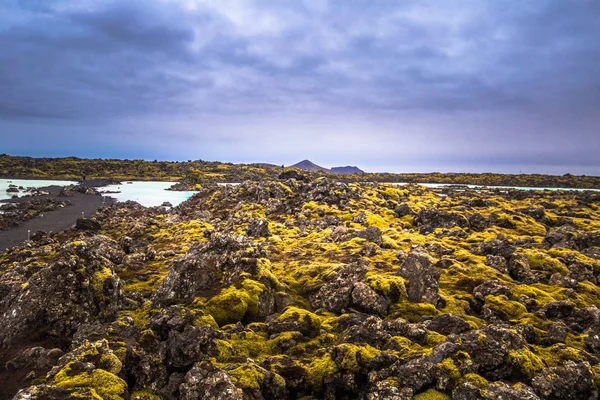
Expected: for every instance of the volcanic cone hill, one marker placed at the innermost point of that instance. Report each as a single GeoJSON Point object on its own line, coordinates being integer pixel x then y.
{"type": "Point", "coordinates": [318, 289]}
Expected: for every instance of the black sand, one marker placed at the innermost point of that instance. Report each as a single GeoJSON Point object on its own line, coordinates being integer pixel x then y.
{"type": "Point", "coordinates": [53, 221]}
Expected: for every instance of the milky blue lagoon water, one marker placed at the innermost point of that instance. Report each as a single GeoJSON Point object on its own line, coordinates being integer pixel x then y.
{"type": "Point", "coordinates": [441, 185]}
{"type": "Point", "coordinates": [153, 193]}
{"type": "Point", "coordinates": [146, 193]}
{"type": "Point", "coordinates": [27, 183]}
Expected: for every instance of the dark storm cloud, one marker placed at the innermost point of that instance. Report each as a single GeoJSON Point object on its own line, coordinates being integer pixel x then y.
{"type": "Point", "coordinates": [415, 83]}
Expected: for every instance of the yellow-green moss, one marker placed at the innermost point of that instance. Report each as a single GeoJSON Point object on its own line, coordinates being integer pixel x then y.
{"type": "Point", "coordinates": [414, 312]}
{"type": "Point", "coordinates": [243, 345]}
{"type": "Point", "coordinates": [248, 376]}
{"type": "Point", "coordinates": [476, 380]}
{"type": "Point", "coordinates": [98, 281]}
{"type": "Point", "coordinates": [356, 357]}
{"type": "Point", "coordinates": [234, 304]}
{"type": "Point", "coordinates": [145, 394]}
{"type": "Point", "coordinates": [110, 362]}
{"type": "Point", "coordinates": [387, 283]}
{"type": "Point", "coordinates": [141, 315]}
{"type": "Point", "coordinates": [431, 394]}
{"type": "Point", "coordinates": [206, 320]}
{"type": "Point", "coordinates": [509, 310]}
{"type": "Point", "coordinates": [451, 370]}
{"type": "Point", "coordinates": [596, 371]}
{"type": "Point", "coordinates": [528, 362]}
{"type": "Point", "coordinates": [300, 315]}
{"type": "Point", "coordinates": [107, 385]}
{"type": "Point", "coordinates": [319, 369]}
{"type": "Point", "coordinates": [541, 261]}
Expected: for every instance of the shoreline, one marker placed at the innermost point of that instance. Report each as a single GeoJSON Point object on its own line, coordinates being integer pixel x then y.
{"type": "Point", "coordinates": [52, 221]}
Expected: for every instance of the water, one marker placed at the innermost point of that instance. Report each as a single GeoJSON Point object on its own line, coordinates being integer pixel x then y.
{"type": "Point", "coordinates": [27, 183]}
{"type": "Point", "coordinates": [441, 185]}
{"type": "Point", "coordinates": [153, 193]}
{"type": "Point", "coordinates": [146, 193]}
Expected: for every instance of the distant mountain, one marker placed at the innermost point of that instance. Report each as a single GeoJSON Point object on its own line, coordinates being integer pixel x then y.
{"type": "Point", "coordinates": [309, 166]}
{"type": "Point", "coordinates": [349, 169]}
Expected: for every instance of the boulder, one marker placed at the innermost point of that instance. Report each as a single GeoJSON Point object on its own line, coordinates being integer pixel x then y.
{"type": "Point", "coordinates": [205, 381]}
{"type": "Point", "coordinates": [422, 277]}
{"type": "Point", "coordinates": [372, 234]}
{"type": "Point", "coordinates": [207, 267]}
{"type": "Point", "coordinates": [491, 287]}
{"type": "Point", "coordinates": [79, 287]}
{"type": "Point", "coordinates": [258, 228]}
{"type": "Point", "coordinates": [571, 381]}
{"type": "Point", "coordinates": [85, 224]}
{"type": "Point", "coordinates": [447, 324]}
{"type": "Point", "coordinates": [336, 294]}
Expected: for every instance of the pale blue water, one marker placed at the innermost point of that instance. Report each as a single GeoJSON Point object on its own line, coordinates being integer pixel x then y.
{"type": "Point", "coordinates": [153, 193]}
{"type": "Point", "coordinates": [148, 194]}
{"type": "Point", "coordinates": [441, 185]}
{"type": "Point", "coordinates": [27, 183]}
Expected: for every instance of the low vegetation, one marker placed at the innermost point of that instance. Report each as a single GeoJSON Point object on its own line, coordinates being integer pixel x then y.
{"type": "Point", "coordinates": [314, 289]}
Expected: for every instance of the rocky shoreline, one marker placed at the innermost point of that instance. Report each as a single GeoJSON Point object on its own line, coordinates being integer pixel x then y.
{"type": "Point", "coordinates": [47, 209]}
{"type": "Point", "coordinates": [291, 289]}
{"type": "Point", "coordinates": [188, 174]}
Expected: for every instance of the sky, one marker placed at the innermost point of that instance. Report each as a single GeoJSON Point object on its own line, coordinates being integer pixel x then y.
{"type": "Point", "coordinates": [387, 85]}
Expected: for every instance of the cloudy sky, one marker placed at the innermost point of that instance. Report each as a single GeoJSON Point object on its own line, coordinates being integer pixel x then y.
{"type": "Point", "coordinates": [388, 85]}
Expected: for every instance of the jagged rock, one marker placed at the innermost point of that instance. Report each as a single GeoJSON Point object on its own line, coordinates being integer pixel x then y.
{"type": "Point", "coordinates": [557, 309]}
{"type": "Point", "coordinates": [557, 333]}
{"type": "Point", "coordinates": [489, 348]}
{"type": "Point", "coordinates": [499, 263]}
{"type": "Point", "coordinates": [430, 218]}
{"type": "Point", "coordinates": [580, 272]}
{"type": "Point", "coordinates": [571, 381]}
{"type": "Point", "coordinates": [561, 237]}
{"type": "Point", "coordinates": [493, 288]}
{"type": "Point", "coordinates": [336, 294]}
{"type": "Point", "coordinates": [396, 327]}
{"type": "Point", "coordinates": [585, 319]}
{"type": "Point", "coordinates": [497, 247]}
{"type": "Point", "coordinates": [35, 358]}
{"type": "Point", "coordinates": [372, 234]}
{"type": "Point", "coordinates": [258, 228]}
{"type": "Point", "coordinates": [366, 299]}
{"type": "Point", "coordinates": [422, 277]}
{"type": "Point", "coordinates": [205, 381]}
{"type": "Point", "coordinates": [403, 210]}
{"type": "Point", "coordinates": [447, 324]}
{"type": "Point", "coordinates": [208, 267]}
{"type": "Point", "coordinates": [518, 267]}
{"type": "Point", "coordinates": [295, 320]}
{"type": "Point", "coordinates": [79, 287]}
{"type": "Point", "coordinates": [592, 341]}
{"type": "Point", "coordinates": [85, 224]}
{"type": "Point", "coordinates": [88, 363]}
{"type": "Point", "coordinates": [365, 330]}
{"type": "Point", "coordinates": [361, 218]}
{"type": "Point", "coordinates": [191, 345]}
{"type": "Point", "coordinates": [416, 374]}
{"type": "Point", "coordinates": [494, 391]}
{"type": "Point", "coordinates": [168, 319]}
{"type": "Point", "coordinates": [385, 390]}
